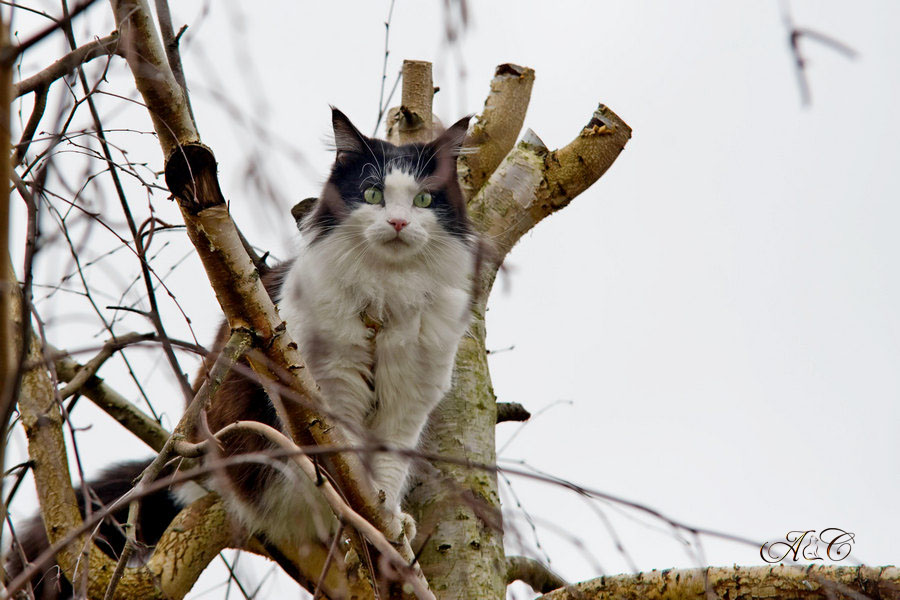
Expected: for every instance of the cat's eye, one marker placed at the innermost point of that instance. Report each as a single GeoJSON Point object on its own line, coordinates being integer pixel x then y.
{"type": "Point", "coordinates": [422, 200]}
{"type": "Point", "coordinates": [373, 195]}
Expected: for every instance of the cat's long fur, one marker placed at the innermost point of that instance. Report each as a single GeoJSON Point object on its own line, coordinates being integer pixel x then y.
{"type": "Point", "coordinates": [377, 300]}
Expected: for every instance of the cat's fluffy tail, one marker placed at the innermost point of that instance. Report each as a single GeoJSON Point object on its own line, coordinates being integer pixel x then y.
{"type": "Point", "coordinates": [157, 511]}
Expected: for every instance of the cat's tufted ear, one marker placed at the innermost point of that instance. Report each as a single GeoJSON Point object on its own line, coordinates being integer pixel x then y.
{"type": "Point", "coordinates": [450, 142]}
{"type": "Point", "coordinates": [347, 138]}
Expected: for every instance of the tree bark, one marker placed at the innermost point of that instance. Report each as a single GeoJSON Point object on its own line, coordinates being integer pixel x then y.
{"type": "Point", "coordinates": [739, 583]}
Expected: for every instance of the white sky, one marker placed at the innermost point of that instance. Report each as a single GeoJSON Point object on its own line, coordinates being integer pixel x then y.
{"type": "Point", "coordinates": [718, 312]}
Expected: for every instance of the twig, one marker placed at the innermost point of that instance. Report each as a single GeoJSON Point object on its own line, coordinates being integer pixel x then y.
{"type": "Point", "coordinates": [155, 317]}
{"type": "Point", "coordinates": [114, 404]}
{"type": "Point", "coordinates": [9, 54]}
{"type": "Point", "coordinates": [232, 352]}
{"type": "Point", "coordinates": [382, 105]}
{"type": "Point", "coordinates": [92, 366]}
{"type": "Point", "coordinates": [104, 46]}
{"type": "Point", "coordinates": [332, 549]}
{"type": "Point", "coordinates": [37, 113]}
{"type": "Point", "coordinates": [794, 36]}
{"type": "Point", "coordinates": [342, 510]}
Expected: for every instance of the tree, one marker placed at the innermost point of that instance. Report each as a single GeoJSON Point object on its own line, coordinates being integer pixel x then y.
{"type": "Point", "coordinates": [511, 187]}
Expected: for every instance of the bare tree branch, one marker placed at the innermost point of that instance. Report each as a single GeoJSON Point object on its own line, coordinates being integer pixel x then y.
{"type": "Point", "coordinates": [104, 46]}
{"type": "Point", "coordinates": [92, 366]}
{"type": "Point", "coordinates": [812, 582]}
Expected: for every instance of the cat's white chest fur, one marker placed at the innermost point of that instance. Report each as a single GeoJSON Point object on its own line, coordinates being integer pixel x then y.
{"type": "Point", "coordinates": [380, 340]}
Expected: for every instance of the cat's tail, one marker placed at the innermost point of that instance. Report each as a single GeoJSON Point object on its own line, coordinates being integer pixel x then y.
{"type": "Point", "coordinates": [157, 511]}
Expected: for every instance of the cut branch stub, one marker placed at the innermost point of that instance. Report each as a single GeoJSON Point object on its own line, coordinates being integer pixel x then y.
{"type": "Point", "coordinates": [493, 132]}
{"type": "Point", "coordinates": [191, 175]}
{"type": "Point", "coordinates": [412, 121]}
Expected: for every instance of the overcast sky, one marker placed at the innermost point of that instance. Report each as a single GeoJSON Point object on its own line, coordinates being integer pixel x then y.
{"type": "Point", "coordinates": [712, 327]}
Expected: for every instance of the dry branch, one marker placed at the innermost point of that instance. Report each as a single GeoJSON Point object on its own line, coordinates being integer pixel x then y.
{"type": "Point", "coordinates": [814, 582]}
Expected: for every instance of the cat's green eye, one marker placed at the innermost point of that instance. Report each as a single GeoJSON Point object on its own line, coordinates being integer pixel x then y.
{"type": "Point", "coordinates": [373, 195]}
{"type": "Point", "coordinates": [422, 200]}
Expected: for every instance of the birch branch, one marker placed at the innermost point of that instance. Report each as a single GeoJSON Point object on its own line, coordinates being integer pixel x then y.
{"type": "Point", "coordinates": [104, 46]}
{"type": "Point", "coordinates": [534, 182]}
{"type": "Point", "coordinates": [493, 133]}
{"type": "Point", "coordinates": [808, 583]}
{"type": "Point", "coordinates": [163, 95]}
{"type": "Point", "coordinates": [413, 121]}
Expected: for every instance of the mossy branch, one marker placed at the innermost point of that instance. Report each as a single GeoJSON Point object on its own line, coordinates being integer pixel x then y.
{"type": "Point", "coordinates": [807, 583]}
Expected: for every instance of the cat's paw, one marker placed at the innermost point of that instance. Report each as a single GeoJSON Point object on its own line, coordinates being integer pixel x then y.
{"type": "Point", "coordinates": [409, 525]}
{"type": "Point", "coordinates": [399, 524]}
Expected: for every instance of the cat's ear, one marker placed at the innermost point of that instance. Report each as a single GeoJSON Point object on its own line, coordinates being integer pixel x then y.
{"type": "Point", "coordinates": [450, 142]}
{"type": "Point", "coordinates": [347, 138]}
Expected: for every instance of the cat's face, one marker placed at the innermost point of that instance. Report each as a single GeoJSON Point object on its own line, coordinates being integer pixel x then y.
{"type": "Point", "coordinates": [394, 203]}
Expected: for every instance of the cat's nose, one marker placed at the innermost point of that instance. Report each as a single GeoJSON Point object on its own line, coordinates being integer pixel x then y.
{"type": "Point", "coordinates": [398, 224]}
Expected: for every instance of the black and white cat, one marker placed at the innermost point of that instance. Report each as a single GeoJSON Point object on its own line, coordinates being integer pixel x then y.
{"type": "Point", "coordinates": [377, 300]}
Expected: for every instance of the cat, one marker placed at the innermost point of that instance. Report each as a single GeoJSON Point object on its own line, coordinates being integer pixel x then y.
{"type": "Point", "coordinates": [377, 300]}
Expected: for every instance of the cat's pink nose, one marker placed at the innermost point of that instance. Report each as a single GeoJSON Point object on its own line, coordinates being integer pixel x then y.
{"type": "Point", "coordinates": [398, 224]}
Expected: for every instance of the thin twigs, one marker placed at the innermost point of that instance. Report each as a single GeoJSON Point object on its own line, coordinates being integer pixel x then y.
{"type": "Point", "coordinates": [8, 54]}
{"type": "Point", "coordinates": [114, 404]}
{"type": "Point", "coordinates": [342, 510]}
{"type": "Point", "coordinates": [795, 34]}
{"type": "Point", "coordinates": [120, 192]}
{"type": "Point", "coordinates": [8, 284]}
{"type": "Point", "coordinates": [382, 105]}
{"type": "Point", "coordinates": [104, 46]}
{"type": "Point", "coordinates": [332, 549]}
